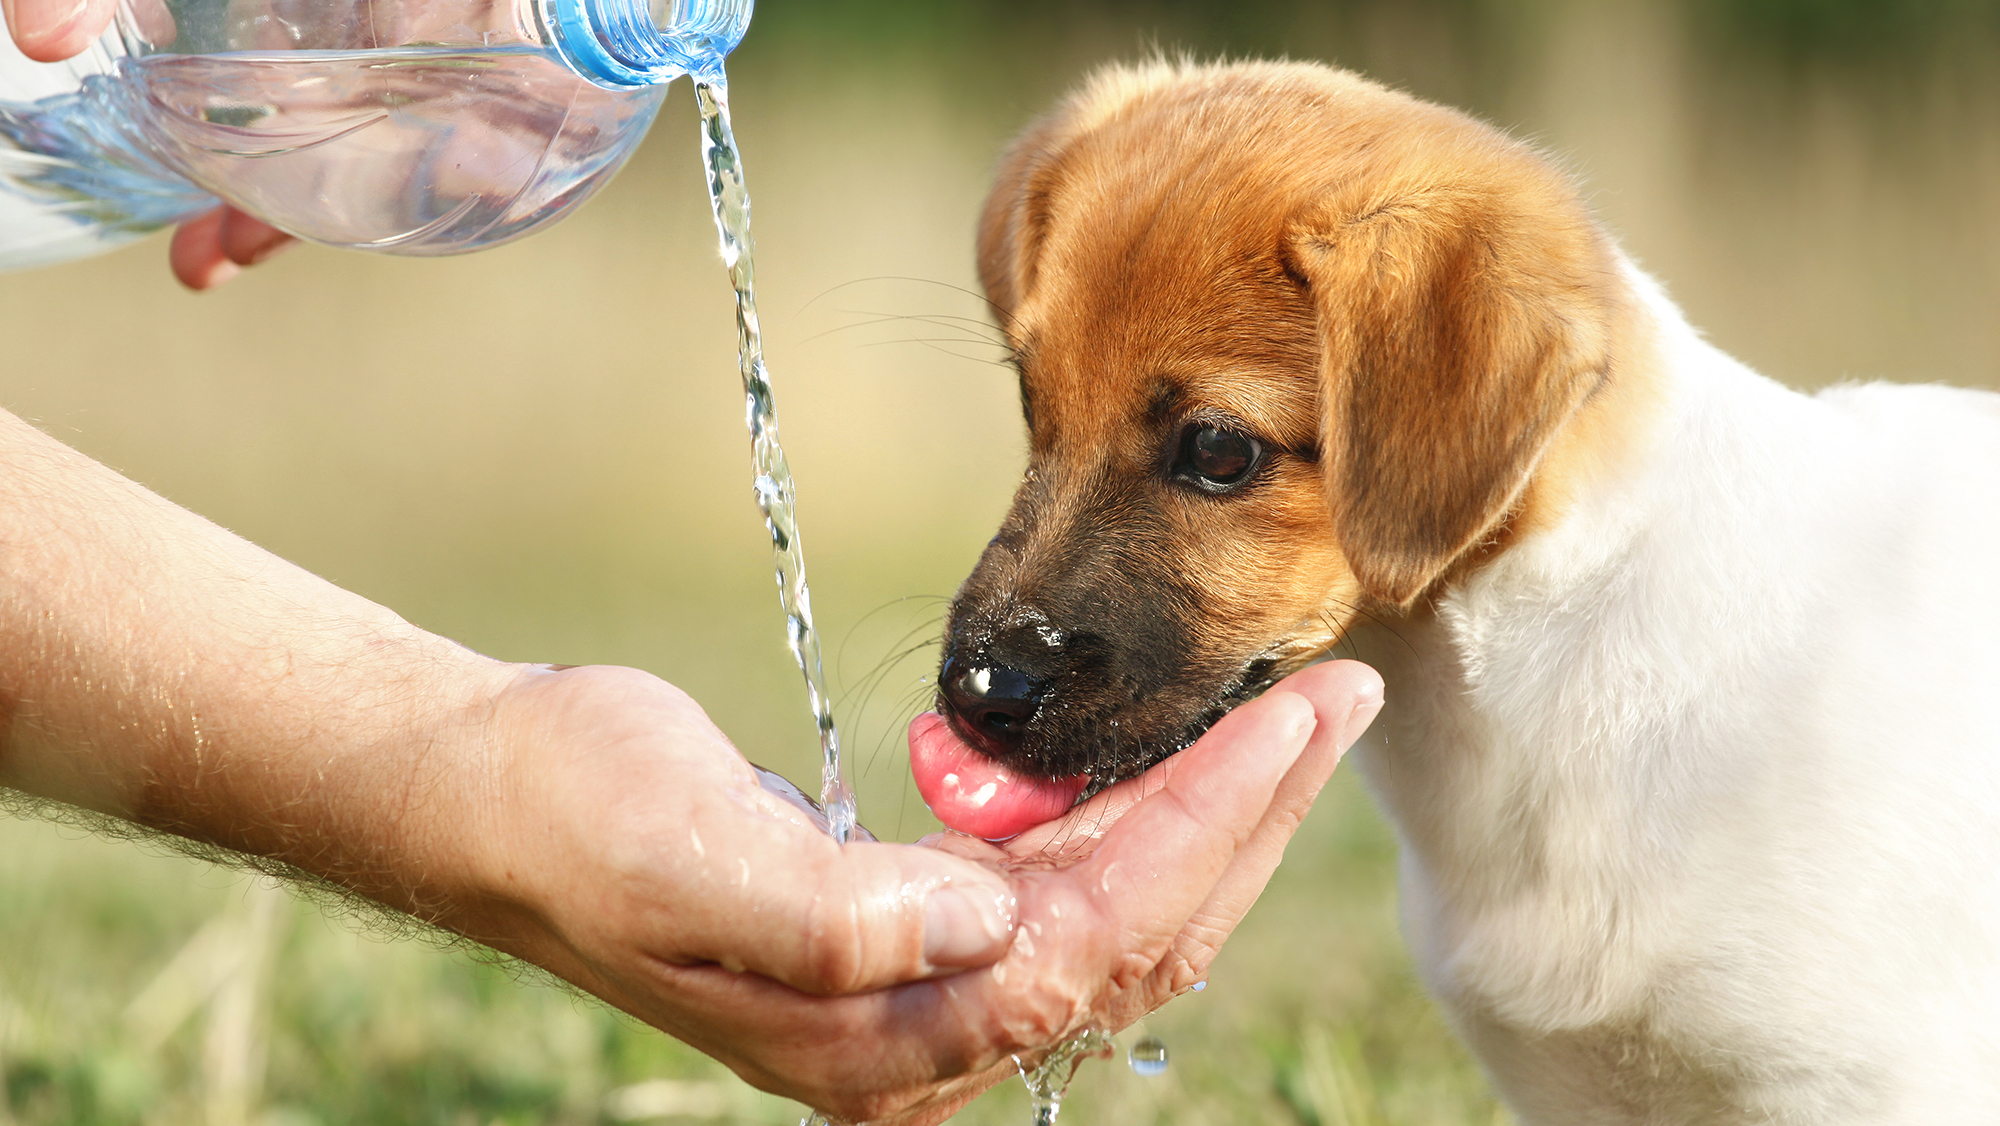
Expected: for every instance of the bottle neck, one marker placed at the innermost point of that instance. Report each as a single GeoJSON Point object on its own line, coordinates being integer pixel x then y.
{"type": "Point", "coordinates": [619, 43]}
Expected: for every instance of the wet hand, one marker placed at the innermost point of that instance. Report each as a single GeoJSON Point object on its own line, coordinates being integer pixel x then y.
{"type": "Point", "coordinates": [208, 249]}
{"type": "Point", "coordinates": [1119, 906]}
{"type": "Point", "coordinates": [615, 838]}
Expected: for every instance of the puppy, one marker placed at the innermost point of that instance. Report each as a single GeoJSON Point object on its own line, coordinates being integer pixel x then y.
{"type": "Point", "coordinates": [1691, 746]}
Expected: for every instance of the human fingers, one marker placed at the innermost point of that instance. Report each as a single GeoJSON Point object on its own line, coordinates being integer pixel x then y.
{"type": "Point", "coordinates": [1328, 686]}
{"type": "Point", "coordinates": [50, 31]}
{"type": "Point", "coordinates": [833, 920]}
{"type": "Point", "coordinates": [645, 836]}
{"type": "Point", "coordinates": [1346, 697]}
{"type": "Point", "coordinates": [1085, 933]}
{"type": "Point", "coordinates": [774, 896]}
{"type": "Point", "coordinates": [1160, 862]}
{"type": "Point", "coordinates": [247, 240]}
{"type": "Point", "coordinates": [1091, 931]}
{"type": "Point", "coordinates": [1065, 839]}
{"type": "Point", "coordinates": [213, 247]}
{"type": "Point", "coordinates": [906, 1055]}
{"type": "Point", "coordinates": [196, 255]}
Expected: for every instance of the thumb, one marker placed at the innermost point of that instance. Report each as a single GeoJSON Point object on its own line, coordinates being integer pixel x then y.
{"type": "Point", "coordinates": [50, 31]}
{"type": "Point", "coordinates": [870, 915]}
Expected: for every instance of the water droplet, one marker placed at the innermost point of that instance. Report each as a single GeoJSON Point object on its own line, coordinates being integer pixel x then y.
{"type": "Point", "coordinates": [1148, 1056]}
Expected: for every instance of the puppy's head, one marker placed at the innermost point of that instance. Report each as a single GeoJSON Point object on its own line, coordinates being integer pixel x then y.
{"type": "Point", "coordinates": [1291, 348]}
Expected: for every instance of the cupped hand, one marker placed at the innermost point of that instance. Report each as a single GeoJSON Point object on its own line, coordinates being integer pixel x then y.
{"type": "Point", "coordinates": [208, 249]}
{"type": "Point", "coordinates": [619, 831]}
{"type": "Point", "coordinates": [628, 849]}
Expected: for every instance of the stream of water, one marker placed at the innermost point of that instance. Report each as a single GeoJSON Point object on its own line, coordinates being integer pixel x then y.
{"type": "Point", "coordinates": [1048, 1081]}
{"type": "Point", "coordinates": [776, 496]}
{"type": "Point", "coordinates": [777, 499]}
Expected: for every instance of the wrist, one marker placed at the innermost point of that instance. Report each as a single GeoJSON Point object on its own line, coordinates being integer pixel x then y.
{"type": "Point", "coordinates": [395, 805]}
{"type": "Point", "coordinates": [503, 860]}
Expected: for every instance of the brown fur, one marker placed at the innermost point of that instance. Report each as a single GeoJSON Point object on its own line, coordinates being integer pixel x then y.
{"type": "Point", "coordinates": [1406, 307]}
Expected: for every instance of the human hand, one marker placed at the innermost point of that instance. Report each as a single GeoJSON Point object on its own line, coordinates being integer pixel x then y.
{"type": "Point", "coordinates": [642, 863]}
{"type": "Point", "coordinates": [50, 31]}
{"type": "Point", "coordinates": [208, 249]}
{"type": "Point", "coordinates": [619, 832]}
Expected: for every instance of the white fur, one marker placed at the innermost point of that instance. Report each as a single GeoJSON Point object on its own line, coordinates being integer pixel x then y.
{"type": "Point", "coordinates": [1699, 789]}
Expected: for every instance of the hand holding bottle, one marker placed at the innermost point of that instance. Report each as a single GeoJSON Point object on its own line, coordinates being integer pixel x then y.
{"type": "Point", "coordinates": [418, 127]}
{"type": "Point", "coordinates": [208, 249]}
{"type": "Point", "coordinates": [50, 31]}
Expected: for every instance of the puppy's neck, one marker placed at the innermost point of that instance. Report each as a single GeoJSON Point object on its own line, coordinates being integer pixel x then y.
{"type": "Point", "coordinates": [1618, 548]}
{"type": "Point", "coordinates": [1543, 731]}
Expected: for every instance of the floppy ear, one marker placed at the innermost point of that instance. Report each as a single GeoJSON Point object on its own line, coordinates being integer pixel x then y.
{"type": "Point", "coordinates": [1461, 325]}
{"type": "Point", "coordinates": [1016, 214]}
{"type": "Point", "coordinates": [1016, 211]}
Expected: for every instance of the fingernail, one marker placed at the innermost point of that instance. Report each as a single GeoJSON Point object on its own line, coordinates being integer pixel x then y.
{"type": "Point", "coordinates": [968, 925]}
{"type": "Point", "coordinates": [52, 25]}
{"type": "Point", "coordinates": [214, 274]}
{"type": "Point", "coordinates": [1363, 714]}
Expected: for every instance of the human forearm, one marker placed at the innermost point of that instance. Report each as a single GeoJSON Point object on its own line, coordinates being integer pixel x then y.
{"type": "Point", "coordinates": [155, 667]}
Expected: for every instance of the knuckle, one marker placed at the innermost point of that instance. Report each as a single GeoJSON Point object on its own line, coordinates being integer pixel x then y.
{"type": "Point", "coordinates": [1199, 941]}
{"type": "Point", "coordinates": [1190, 965]}
{"type": "Point", "coordinates": [1130, 970]}
{"type": "Point", "coordinates": [835, 947]}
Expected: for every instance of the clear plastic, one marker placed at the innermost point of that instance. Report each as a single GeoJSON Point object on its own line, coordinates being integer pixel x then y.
{"type": "Point", "coordinates": [417, 127]}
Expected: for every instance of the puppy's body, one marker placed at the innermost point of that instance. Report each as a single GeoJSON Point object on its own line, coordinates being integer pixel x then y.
{"type": "Point", "coordinates": [1690, 745]}
{"type": "Point", "coordinates": [1697, 786]}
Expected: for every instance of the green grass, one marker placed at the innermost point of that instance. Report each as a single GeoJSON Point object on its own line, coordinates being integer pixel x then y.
{"type": "Point", "coordinates": [116, 962]}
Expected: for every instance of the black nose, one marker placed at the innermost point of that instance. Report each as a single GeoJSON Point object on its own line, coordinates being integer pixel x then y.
{"type": "Point", "coordinates": [992, 703]}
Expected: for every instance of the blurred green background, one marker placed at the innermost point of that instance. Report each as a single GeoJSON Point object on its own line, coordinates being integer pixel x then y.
{"type": "Point", "coordinates": [539, 451]}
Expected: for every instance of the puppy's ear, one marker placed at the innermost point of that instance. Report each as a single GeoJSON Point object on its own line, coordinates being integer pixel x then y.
{"type": "Point", "coordinates": [1016, 213]}
{"type": "Point", "coordinates": [1462, 322]}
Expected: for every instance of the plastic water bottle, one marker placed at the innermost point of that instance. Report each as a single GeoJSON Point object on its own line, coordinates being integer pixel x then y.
{"type": "Point", "coordinates": [407, 126]}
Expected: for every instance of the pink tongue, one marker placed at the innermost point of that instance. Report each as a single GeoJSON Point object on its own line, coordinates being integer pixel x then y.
{"type": "Point", "coordinates": [973, 794]}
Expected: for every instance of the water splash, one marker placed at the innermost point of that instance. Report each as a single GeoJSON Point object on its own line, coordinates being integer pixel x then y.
{"type": "Point", "coordinates": [776, 497]}
{"type": "Point", "coordinates": [1048, 1081]}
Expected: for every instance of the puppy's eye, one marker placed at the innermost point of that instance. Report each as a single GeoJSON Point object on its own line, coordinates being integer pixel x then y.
{"type": "Point", "coordinates": [1217, 459]}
